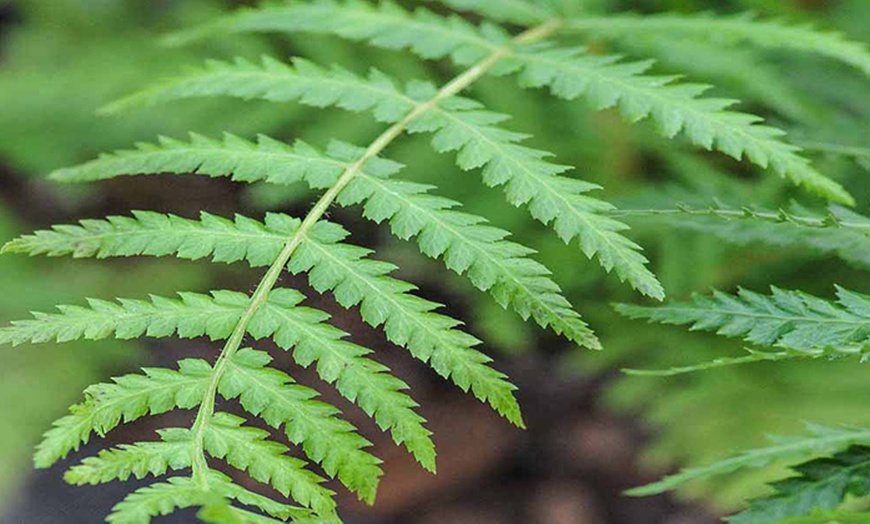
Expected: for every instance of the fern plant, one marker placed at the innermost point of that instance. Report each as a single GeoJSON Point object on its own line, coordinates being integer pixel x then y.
{"type": "Point", "coordinates": [361, 175]}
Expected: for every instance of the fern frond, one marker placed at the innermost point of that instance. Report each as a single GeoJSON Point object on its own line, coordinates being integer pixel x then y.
{"type": "Point", "coordinates": [723, 29]}
{"type": "Point", "coordinates": [126, 399]}
{"type": "Point", "coordinates": [839, 231]}
{"type": "Point", "coordinates": [408, 320]}
{"type": "Point", "coordinates": [822, 483]}
{"type": "Point", "coordinates": [706, 122]}
{"type": "Point", "coordinates": [569, 72]}
{"type": "Point", "coordinates": [527, 282]}
{"type": "Point", "coordinates": [325, 438]}
{"type": "Point", "coordinates": [459, 124]}
{"type": "Point", "coordinates": [787, 319]}
{"type": "Point", "coordinates": [820, 441]}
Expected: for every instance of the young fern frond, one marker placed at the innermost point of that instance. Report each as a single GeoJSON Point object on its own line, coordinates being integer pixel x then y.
{"type": "Point", "coordinates": [840, 231]}
{"type": "Point", "coordinates": [733, 29]}
{"type": "Point", "coordinates": [820, 440]}
{"type": "Point", "coordinates": [787, 319]}
{"type": "Point", "coordinates": [568, 72]}
{"type": "Point", "coordinates": [459, 124]}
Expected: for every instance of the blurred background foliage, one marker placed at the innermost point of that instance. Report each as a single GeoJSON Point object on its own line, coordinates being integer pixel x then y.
{"type": "Point", "coordinates": [60, 60]}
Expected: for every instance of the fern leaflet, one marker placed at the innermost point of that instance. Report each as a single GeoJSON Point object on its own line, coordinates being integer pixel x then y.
{"type": "Point", "coordinates": [459, 124]}
{"type": "Point", "coordinates": [787, 319]}
{"type": "Point", "coordinates": [728, 29]}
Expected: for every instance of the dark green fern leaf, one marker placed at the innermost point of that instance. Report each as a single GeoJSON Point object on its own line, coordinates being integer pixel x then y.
{"type": "Point", "coordinates": [822, 483]}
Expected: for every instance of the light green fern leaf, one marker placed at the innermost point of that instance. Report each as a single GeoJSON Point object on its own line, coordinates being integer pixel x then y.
{"type": "Point", "coordinates": [242, 447]}
{"type": "Point", "coordinates": [734, 29]}
{"type": "Point", "coordinates": [192, 315]}
{"type": "Point", "coordinates": [126, 399]}
{"type": "Point", "coordinates": [409, 321]}
{"type": "Point", "coordinates": [358, 378]}
{"type": "Point", "coordinates": [526, 282]}
{"type": "Point", "coordinates": [569, 72]}
{"type": "Point", "coordinates": [459, 124]}
{"type": "Point", "coordinates": [140, 460]}
{"type": "Point", "coordinates": [787, 319]}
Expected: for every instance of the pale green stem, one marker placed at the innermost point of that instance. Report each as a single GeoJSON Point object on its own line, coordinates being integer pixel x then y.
{"type": "Point", "coordinates": [458, 84]}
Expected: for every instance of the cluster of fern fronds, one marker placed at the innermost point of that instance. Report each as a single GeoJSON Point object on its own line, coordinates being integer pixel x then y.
{"type": "Point", "coordinates": [538, 45]}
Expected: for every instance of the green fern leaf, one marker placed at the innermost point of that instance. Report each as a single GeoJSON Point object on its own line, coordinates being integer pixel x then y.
{"type": "Point", "coordinates": [788, 319]}
{"type": "Point", "coordinates": [528, 282]}
{"type": "Point", "coordinates": [326, 439]}
{"type": "Point", "coordinates": [569, 72]}
{"type": "Point", "coordinates": [127, 398]}
{"type": "Point", "coordinates": [734, 29]}
{"type": "Point", "coordinates": [192, 315]}
{"type": "Point", "coordinates": [409, 321]}
{"type": "Point", "coordinates": [459, 124]}
{"type": "Point", "coordinates": [819, 441]}
{"type": "Point", "coordinates": [139, 460]}
{"type": "Point", "coordinates": [823, 483]}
